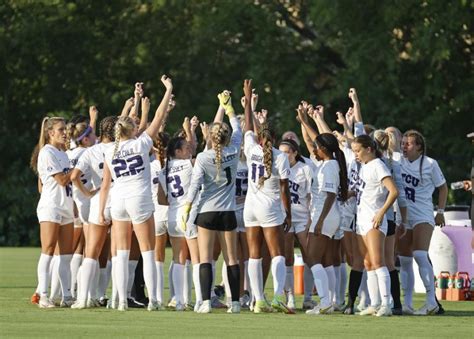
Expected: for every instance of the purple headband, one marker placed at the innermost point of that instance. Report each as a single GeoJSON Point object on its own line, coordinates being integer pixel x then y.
{"type": "Point", "coordinates": [86, 133]}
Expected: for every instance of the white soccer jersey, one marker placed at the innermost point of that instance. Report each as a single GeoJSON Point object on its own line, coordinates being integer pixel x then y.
{"type": "Point", "coordinates": [178, 178]}
{"type": "Point", "coordinates": [158, 178]}
{"type": "Point", "coordinates": [241, 184]}
{"type": "Point", "coordinates": [92, 161]}
{"type": "Point", "coordinates": [74, 155]}
{"type": "Point", "coordinates": [300, 187]}
{"type": "Point", "coordinates": [419, 189]}
{"type": "Point", "coordinates": [130, 166]}
{"type": "Point", "coordinates": [372, 193]}
{"type": "Point", "coordinates": [326, 180]}
{"type": "Point", "coordinates": [50, 162]}
{"type": "Point", "coordinates": [395, 170]}
{"type": "Point", "coordinates": [218, 189]}
{"type": "Point", "coordinates": [280, 168]}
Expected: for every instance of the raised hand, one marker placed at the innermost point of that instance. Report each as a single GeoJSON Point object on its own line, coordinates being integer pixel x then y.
{"type": "Point", "coordinates": [254, 101]}
{"type": "Point", "coordinates": [226, 102]}
{"type": "Point", "coordinates": [341, 120]}
{"type": "Point", "coordinates": [248, 89]}
{"type": "Point", "coordinates": [319, 111]}
{"type": "Point", "coordinates": [138, 89]}
{"type": "Point", "coordinates": [204, 130]}
{"type": "Point", "coordinates": [262, 116]}
{"type": "Point", "coordinates": [194, 123]}
{"type": "Point", "coordinates": [350, 116]}
{"type": "Point", "coordinates": [145, 105]}
{"type": "Point", "coordinates": [186, 124]}
{"type": "Point", "coordinates": [353, 95]}
{"type": "Point", "coordinates": [93, 113]}
{"type": "Point", "coordinates": [167, 82]}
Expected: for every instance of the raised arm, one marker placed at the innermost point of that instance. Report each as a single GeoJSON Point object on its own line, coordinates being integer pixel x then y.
{"type": "Point", "coordinates": [144, 117]}
{"type": "Point", "coordinates": [161, 110]}
{"type": "Point", "coordinates": [171, 106]}
{"type": "Point", "coordinates": [355, 101]}
{"type": "Point", "coordinates": [320, 121]}
{"type": "Point", "coordinates": [138, 94]}
{"type": "Point", "coordinates": [93, 114]}
{"type": "Point", "coordinates": [248, 105]}
{"type": "Point", "coordinates": [194, 124]}
{"type": "Point", "coordinates": [126, 107]}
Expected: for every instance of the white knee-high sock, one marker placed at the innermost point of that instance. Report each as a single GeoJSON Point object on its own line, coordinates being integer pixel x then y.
{"type": "Point", "coordinates": [407, 279]}
{"type": "Point", "coordinates": [279, 274]}
{"type": "Point", "coordinates": [55, 283]}
{"type": "Point", "coordinates": [197, 284]}
{"type": "Point", "coordinates": [170, 279]}
{"type": "Point", "coordinates": [337, 273]}
{"type": "Point", "coordinates": [149, 274]}
{"type": "Point", "coordinates": [341, 293]}
{"type": "Point", "coordinates": [114, 296]}
{"type": "Point", "coordinates": [104, 279]}
{"type": "Point", "coordinates": [308, 283]}
{"type": "Point", "coordinates": [188, 282]}
{"type": "Point", "coordinates": [178, 276]}
{"type": "Point", "coordinates": [321, 281]}
{"type": "Point", "coordinates": [246, 276]}
{"type": "Point", "coordinates": [213, 264]}
{"type": "Point", "coordinates": [364, 298]}
{"type": "Point", "coordinates": [383, 278]}
{"type": "Point", "coordinates": [373, 286]}
{"type": "Point", "coordinates": [121, 274]}
{"type": "Point", "coordinates": [256, 278]}
{"type": "Point", "coordinates": [132, 266]}
{"type": "Point", "coordinates": [290, 280]}
{"type": "Point", "coordinates": [43, 273]}
{"type": "Point", "coordinates": [64, 270]}
{"type": "Point", "coordinates": [95, 282]}
{"type": "Point", "coordinates": [88, 271]}
{"type": "Point", "coordinates": [225, 280]}
{"type": "Point", "coordinates": [160, 277]}
{"type": "Point", "coordinates": [331, 282]}
{"type": "Point", "coordinates": [426, 274]}
{"type": "Point", "coordinates": [75, 264]}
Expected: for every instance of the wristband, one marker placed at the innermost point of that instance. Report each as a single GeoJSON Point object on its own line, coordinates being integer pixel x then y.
{"type": "Point", "coordinates": [440, 210]}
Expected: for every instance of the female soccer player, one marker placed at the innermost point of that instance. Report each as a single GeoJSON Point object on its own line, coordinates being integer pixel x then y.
{"type": "Point", "coordinates": [372, 205]}
{"type": "Point", "coordinates": [55, 208]}
{"type": "Point", "coordinates": [215, 170]}
{"type": "Point", "coordinates": [383, 141]}
{"type": "Point", "coordinates": [421, 175]}
{"type": "Point", "coordinates": [127, 161]}
{"type": "Point", "coordinates": [92, 162]}
{"type": "Point", "coordinates": [331, 181]}
{"type": "Point", "coordinates": [300, 188]}
{"type": "Point", "coordinates": [263, 214]}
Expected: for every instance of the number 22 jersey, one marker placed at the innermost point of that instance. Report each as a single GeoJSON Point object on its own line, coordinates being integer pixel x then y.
{"type": "Point", "coordinates": [130, 166]}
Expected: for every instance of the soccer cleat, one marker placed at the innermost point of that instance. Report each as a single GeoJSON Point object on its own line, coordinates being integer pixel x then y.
{"type": "Point", "coordinates": [180, 307]}
{"type": "Point", "coordinates": [35, 298]}
{"type": "Point", "coordinates": [93, 303]}
{"type": "Point", "coordinates": [280, 306]}
{"type": "Point", "coordinates": [397, 311]}
{"type": "Point", "coordinates": [349, 310]}
{"type": "Point", "coordinates": [359, 308]}
{"type": "Point", "coordinates": [45, 302]}
{"type": "Point", "coordinates": [216, 303]}
{"type": "Point", "coordinates": [371, 310]}
{"type": "Point", "coordinates": [290, 301]}
{"type": "Point", "coordinates": [66, 302]}
{"type": "Point", "coordinates": [79, 305]}
{"type": "Point", "coordinates": [205, 307]}
{"type": "Point", "coordinates": [172, 303]}
{"type": "Point", "coordinates": [234, 308]}
{"type": "Point", "coordinates": [132, 303]}
{"type": "Point", "coordinates": [261, 306]}
{"type": "Point", "coordinates": [309, 304]}
{"type": "Point", "coordinates": [103, 301]}
{"type": "Point", "coordinates": [338, 307]}
{"type": "Point", "coordinates": [408, 310]}
{"type": "Point", "coordinates": [154, 306]}
{"type": "Point", "coordinates": [122, 306]}
{"type": "Point", "coordinates": [318, 310]}
{"type": "Point", "coordinates": [384, 311]}
{"type": "Point", "coordinates": [427, 310]}
{"type": "Point", "coordinates": [189, 306]}
{"type": "Point", "coordinates": [197, 305]}
{"type": "Point", "coordinates": [245, 301]}
{"type": "Point", "coordinates": [112, 304]}
{"type": "Point", "coordinates": [219, 290]}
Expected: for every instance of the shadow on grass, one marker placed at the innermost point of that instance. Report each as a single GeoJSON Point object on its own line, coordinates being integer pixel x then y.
{"type": "Point", "coordinates": [465, 313]}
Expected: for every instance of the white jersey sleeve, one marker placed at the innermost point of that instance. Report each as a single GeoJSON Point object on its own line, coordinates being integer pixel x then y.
{"type": "Point", "coordinates": [359, 129]}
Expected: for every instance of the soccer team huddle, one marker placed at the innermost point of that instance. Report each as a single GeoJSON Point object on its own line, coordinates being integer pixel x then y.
{"type": "Point", "coordinates": [363, 198]}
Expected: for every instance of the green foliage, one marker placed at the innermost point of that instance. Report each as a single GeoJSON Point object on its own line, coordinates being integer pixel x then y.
{"type": "Point", "coordinates": [409, 60]}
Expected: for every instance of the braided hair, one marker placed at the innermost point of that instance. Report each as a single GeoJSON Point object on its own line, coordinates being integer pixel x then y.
{"type": "Point", "coordinates": [123, 128]}
{"type": "Point", "coordinates": [159, 144]}
{"type": "Point", "coordinates": [329, 144]}
{"type": "Point", "coordinates": [220, 135]}
{"type": "Point", "coordinates": [420, 141]}
{"type": "Point", "coordinates": [107, 128]}
{"type": "Point", "coordinates": [266, 136]}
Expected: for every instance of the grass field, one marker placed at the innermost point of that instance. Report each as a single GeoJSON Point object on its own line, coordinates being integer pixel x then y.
{"type": "Point", "coordinates": [19, 318]}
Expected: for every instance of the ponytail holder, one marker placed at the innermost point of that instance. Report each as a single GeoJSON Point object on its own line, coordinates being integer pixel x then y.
{"type": "Point", "coordinates": [86, 133]}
